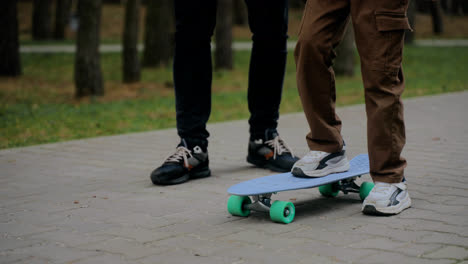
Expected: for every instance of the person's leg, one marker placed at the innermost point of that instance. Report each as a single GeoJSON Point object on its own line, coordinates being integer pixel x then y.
{"type": "Point", "coordinates": [379, 32]}
{"type": "Point", "coordinates": [268, 21]}
{"type": "Point", "coordinates": [322, 29]}
{"type": "Point", "coordinates": [195, 22]}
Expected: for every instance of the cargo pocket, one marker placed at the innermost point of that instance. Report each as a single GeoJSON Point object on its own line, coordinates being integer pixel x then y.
{"type": "Point", "coordinates": [391, 27]}
{"type": "Point", "coordinates": [390, 21]}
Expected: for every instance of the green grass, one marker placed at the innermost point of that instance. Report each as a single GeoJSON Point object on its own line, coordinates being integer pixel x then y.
{"type": "Point", "coordinates": [39, 107]}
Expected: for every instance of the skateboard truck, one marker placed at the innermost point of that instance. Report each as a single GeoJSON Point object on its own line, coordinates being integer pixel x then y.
{"type": "Point", "coordinates": [262, 203]}
{"type": "Point", "coordinates": [347, 186]}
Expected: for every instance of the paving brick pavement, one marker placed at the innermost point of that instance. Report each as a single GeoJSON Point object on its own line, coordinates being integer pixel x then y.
{"type": "Point", "coordinates": [91, 201]}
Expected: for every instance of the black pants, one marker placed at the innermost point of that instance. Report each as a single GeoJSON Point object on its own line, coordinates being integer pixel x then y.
{"type": "Point", "coordinates": [195, 23]}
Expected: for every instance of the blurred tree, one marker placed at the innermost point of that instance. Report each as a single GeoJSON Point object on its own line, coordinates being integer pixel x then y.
{"type": "Point", "coordinates": [9, 46]}
{"type": "Point", "coordinates": [464, 7]}
{"type": "Point", "coordinates": [297, 4]}
{"type": "Point", "coordinates": [158, 37]}
{"type": "Point", "coordinates": [42, 22]}
{"type": "Point", "coordinates": [130, 61]}
{"type": "Point", "coordinates": [422, 6]}
{"type": "Point", "coordinates": [436, 12]}
{"type": "Point", "coordinates": [88, 76]}
{"type": "Point", "coordinates": [223, 35]}
{"type": "Point", "coordinates": [62, 16]}
{"type": "Point", "coordinates": [445, 5]}
{"type": "Point", "coordinates": [412, 9]}
{"type": "Point", "coordinates": [345, 60]}
{"type": "Point", "coordinates": [455, 7]}
{"type": "Point", "coordinates": [240, 13]}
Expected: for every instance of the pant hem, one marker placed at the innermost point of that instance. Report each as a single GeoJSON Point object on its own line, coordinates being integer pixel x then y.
{"type": "Point", "coordinates": [387, 179]}
{"type": "Point", "coordinates": [325, 148]}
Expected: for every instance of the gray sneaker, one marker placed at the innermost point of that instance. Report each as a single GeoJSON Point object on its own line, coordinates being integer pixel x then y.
{"type": "Point", "coordinates": [318, 164]}
{"type": "Point", "coordinates": [387, 199]}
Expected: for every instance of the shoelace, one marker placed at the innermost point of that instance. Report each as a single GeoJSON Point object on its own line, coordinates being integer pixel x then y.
{"type": "Point", "coordinates": [181, 153]}
{"type": "Point", "coordinates": [279, 146]}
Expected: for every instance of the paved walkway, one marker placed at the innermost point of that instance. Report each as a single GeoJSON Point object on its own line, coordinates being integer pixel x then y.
{"type": "Point", "coordinates": [108, 48]}
{"type": "Point", "coordinates": [91, 201]}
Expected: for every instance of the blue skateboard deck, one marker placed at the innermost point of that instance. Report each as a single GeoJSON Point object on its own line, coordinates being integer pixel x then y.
{"type": "Point", "coordinates": [359, 165]}
{"type": "Point", "coordinates": [261, 190]}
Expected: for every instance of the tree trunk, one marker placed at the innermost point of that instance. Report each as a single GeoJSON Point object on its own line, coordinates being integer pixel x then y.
{"type": "Point", "coordinates": [130, 61]}
{"type": "Point", "coordinates": [446, 5]}
{"type": "Point", "coordinates": [88, 76]}
{"type": "Point", "coordinates": [409, 35]}
{"type": "Point", "coordinates": [297, 4]}
{"type": "Point", "coordinates": [223, 52]}
{"type": "Point", "coordinates": [158, 38]}
{"type": "Point", "coordinates": [464, 7]}
{"type": "Point", "coordinates": [344, 62]}
{"type": "Point", "coordinates": [62, 16]}
{"type": "Point", "coordinates": [455, 7]}
{"type": "Point", "coordinates": [41, 23]}
{"type": "Point", "coordinates": [436, 11]}
{"type": "Point", "coordinates": [10, 64]}
{"type": "Point", "coordinates": [240, 13]}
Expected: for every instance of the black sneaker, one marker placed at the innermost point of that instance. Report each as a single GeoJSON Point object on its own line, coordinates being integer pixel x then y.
{"type": "Point", "coordinates": [185, 164]}
{"type": "Point", "coordinates": [271, 152]}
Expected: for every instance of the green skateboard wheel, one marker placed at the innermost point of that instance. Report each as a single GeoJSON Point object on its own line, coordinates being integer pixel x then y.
{"type": "Point", "coordinates": [282, 212]}
{"type": "Point", "coordinates": [327, 190]}
{"type": "Point", "coordinates": [365, 189]}
{"type": "Point", "coordinates": [235, 205]}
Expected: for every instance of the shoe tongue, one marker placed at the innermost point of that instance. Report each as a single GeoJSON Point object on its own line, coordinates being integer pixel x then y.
{"type": "Point", "coordinates": [270, 134]}
{"type": "Point", "coordinates": [183, 143]}
{"type": "Point", "coordinates": [190, 144]}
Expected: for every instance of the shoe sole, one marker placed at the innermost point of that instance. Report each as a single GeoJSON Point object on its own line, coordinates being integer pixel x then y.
{"type": "Point", "coordinates": [184, 178]}
{"type": "Point", "coordinates": [200, 174]}
{"type": "Point", "coordinates": [341, 167]}
{"type": "Point", "coordinates": [266, 165]}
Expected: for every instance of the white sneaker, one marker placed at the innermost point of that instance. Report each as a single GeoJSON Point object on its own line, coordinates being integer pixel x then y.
{"type": "Point", "coordinates": [319, 164]}
{"type": "Point", "coordinates": [387, 199]}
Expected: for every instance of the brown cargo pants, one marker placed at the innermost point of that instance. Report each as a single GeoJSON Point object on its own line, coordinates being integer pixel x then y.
{"type": "Point", "coordinates": [379, 31]}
